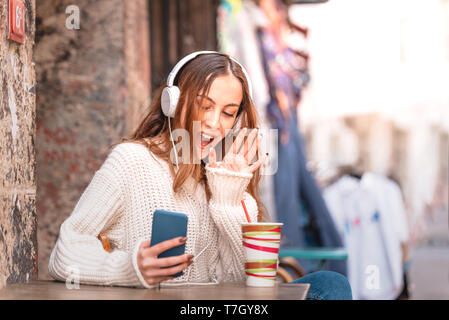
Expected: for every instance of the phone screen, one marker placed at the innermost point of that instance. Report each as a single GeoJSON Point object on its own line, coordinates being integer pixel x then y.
{"type": "Point", "coordinates": [168, 225]}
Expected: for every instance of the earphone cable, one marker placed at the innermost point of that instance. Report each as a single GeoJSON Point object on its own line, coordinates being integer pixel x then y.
{"type": "Point", "coordinates": [173, 143]}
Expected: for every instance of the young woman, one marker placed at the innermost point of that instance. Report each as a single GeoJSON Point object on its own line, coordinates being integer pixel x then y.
{"type": "Point", "coordinates": [143, 174]}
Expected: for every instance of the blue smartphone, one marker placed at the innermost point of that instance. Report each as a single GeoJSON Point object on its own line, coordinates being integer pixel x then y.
{"type": "Point", "coordinates": [168, 225]}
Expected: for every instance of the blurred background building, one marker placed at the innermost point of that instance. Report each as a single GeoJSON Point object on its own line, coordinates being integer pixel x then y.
{"type": "Point", "coordinates": [373, 97]}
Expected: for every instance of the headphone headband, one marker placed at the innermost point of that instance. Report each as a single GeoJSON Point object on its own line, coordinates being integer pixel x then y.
{"type": "Point", "coordinates": [171, 77]}
{"type": "Point", "coordinates": [181, 63]}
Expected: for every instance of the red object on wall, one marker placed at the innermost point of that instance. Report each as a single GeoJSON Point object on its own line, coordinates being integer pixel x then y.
{"type": "Point", "coordinates": [16, 24]}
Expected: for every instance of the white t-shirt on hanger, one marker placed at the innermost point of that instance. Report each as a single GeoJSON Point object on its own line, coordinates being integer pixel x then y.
{"type": "Point", "coordinates": [370, 216]}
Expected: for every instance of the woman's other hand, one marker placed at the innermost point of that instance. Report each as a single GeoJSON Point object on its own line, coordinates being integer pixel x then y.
{"type": "Point", "coordinates": [239, 157]}
{"type": "Point", "coordinates": [155, 270]}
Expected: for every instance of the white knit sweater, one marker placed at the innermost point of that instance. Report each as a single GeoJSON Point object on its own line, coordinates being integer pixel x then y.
{"type": "Point", "coordinates": [120, 201]}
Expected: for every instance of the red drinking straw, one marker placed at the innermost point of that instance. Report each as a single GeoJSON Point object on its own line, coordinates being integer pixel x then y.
{"type": "Point", "coordinates": [246, 212]}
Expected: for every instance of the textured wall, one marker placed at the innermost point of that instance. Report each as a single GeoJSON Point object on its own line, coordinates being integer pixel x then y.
{"type": "Point", "coordinates": [18, 246]}
{"type": "Point", "coordinates": [92, 84]}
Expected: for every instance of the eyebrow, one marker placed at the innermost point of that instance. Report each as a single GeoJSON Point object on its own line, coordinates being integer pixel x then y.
{"type": "Point", "coordinates": [211, 100]}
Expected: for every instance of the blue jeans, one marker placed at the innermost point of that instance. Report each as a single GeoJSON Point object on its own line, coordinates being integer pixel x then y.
{"type": "Point", "coordinates": [295, 188]}
{"type": "Point", "coordinates": [326, 285]}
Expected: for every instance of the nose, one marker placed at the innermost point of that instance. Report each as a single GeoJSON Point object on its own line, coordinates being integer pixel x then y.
{"type": "Point", "coordinates": [213, 119]}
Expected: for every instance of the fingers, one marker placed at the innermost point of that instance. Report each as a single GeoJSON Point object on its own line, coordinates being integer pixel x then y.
{"type": "Point", "coordinates": [144, 248]}
{"type": "Point", "coordinates": [249, 143]}
{"type": "Point", "coordinates": [238, 141]}
{"type": "Point", "coordinates": [145, 244]}
{"type": "Point", "coordinates": [156, 270]}
{"type": "Point", "coordinates": [253, 150]}
{"type": "Point", "coordinates": [154, 267]}
{"type": "Point", "coordinates": [243, 152]}
{"type": "Point", "coordinates": [173, 261]}
{"type": "Point", "coordinates": [165, 245]}
{"type": "Point", "coordinates": [258, 163]}
{"type": "Point", "coordinates": [165, 272]}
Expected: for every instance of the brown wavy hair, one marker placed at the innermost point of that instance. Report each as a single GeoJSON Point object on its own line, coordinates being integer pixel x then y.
{"type": "Point", "coordinates": [195, 78]}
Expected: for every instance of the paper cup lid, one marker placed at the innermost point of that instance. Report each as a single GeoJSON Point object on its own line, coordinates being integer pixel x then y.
{"type": "Point", "coordinates": [262, 223]}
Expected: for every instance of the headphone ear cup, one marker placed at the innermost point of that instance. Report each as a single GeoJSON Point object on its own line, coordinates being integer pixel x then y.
{"type": "Point", "coordinates": [169, 100]}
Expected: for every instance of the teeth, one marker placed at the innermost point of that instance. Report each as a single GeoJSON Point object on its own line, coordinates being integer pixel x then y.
{"type": "Point", "coordinates": [206, 137]}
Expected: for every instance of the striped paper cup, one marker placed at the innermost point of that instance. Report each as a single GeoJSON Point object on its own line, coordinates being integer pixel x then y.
{"type": "Point", "coordinates": [261, 241]}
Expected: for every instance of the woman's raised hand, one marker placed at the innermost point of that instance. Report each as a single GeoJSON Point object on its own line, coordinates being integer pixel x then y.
{"type": "Point", "coordinates": [241, 154]}
{"type": "Point", "coordinates": [155, 270]}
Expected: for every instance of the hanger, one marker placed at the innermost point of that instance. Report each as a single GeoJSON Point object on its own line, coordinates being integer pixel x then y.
{"type": "Point", "coordinates": [352, 171]}
{"type": "Point", "coordinates": [355, 174]}
{"type": "Point", "coordinates": [302, 54]}
{"type": "Point", "coordinates": [304, 31]}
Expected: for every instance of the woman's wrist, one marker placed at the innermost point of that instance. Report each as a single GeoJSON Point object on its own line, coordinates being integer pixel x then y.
{"type": "Point", "coordinates": [227, 187]}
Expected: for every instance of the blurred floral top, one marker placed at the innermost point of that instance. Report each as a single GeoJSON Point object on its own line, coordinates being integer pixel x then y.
{"type": "Point", "coordinates": [286, 77]}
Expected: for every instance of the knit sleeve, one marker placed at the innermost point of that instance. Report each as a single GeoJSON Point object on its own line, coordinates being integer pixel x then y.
{"type": "Point", "coordinates": [78, 254]}
{"type": "Point", "coordinates": [228, 188]}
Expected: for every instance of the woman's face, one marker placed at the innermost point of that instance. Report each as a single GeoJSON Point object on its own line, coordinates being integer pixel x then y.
{"type": "Point", "coordinates": [217, 112]}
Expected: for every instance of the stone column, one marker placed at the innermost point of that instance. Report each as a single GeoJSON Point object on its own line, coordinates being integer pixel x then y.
{"type": "Point", "coordinates": [93, 83]}
{"type": "Point", "coordinates": [18, 243]}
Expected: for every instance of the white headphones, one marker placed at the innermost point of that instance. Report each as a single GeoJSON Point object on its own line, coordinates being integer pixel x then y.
{"type": "Point", "coordinates": [170, 94]}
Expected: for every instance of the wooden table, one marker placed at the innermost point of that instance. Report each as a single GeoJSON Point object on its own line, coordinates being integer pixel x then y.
{"type": "Point", "coordinates": [54, 290]}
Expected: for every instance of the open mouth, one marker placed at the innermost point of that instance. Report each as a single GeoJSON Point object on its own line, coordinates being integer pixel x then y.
{"type": "Point", "coordinates": [206, 140]}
